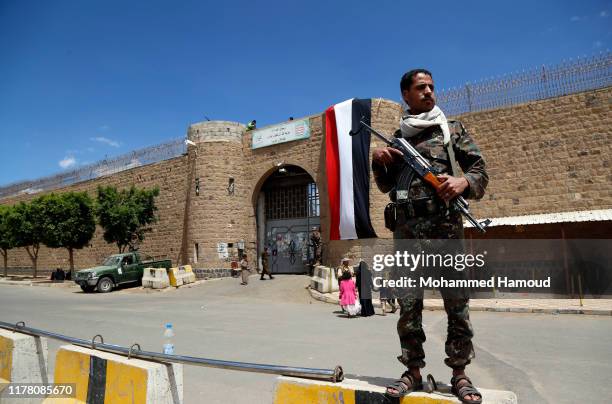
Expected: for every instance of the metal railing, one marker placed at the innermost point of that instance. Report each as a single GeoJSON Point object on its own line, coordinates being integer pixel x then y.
{"type": "Point", "coordinates": [330, 375]}
{"type": "Point", "coordinates": [582, 74]}
{"type": "Point", "coordinates": [137, 158]}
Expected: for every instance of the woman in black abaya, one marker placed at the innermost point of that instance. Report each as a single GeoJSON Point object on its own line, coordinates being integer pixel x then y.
{"type": "Point", "coordinates": [364, 286]}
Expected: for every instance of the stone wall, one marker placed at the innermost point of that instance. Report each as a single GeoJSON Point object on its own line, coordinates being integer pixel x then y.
{"type": "Point", "coordinates": [545, 156]}
{"type": "Point", "coordinates": [164, 241]}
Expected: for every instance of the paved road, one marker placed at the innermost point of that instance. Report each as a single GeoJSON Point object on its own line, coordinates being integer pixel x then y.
{"type": "Point", "coordinates": [541, 357]}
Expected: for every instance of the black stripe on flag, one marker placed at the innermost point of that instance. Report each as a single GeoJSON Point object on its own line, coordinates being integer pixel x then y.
{"type": "Point", "coordinates": [361, 168]}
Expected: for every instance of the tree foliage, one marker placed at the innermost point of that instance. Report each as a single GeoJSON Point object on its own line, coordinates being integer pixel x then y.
{"type": "Point", "coordinates": [69, 221]}
{"type": "Point", "coordinates": [26, 221]}
{"type": "Point", "coordinates": [126, 215]}
{"type": "Point", "coordinates": [7, 240]}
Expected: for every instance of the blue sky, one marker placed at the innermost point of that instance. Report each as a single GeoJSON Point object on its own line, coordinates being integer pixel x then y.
{"type": "Point", "coordinates": [81, 80]}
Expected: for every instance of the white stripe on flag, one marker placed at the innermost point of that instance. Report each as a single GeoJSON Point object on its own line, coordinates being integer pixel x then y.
{"type": "Point", "coordinates": [344, 123]}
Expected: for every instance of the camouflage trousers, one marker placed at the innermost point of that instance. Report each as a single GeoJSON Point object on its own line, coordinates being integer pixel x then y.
{"type": "Point", "coordinates": [458, 347]}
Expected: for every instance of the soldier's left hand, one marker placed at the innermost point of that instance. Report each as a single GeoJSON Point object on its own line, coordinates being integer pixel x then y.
{"type": "Point", "coordinates": [451, 187]}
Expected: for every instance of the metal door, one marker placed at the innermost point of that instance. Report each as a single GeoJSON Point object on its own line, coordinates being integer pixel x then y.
{"type": "Point", "coordinates": [288, 241]}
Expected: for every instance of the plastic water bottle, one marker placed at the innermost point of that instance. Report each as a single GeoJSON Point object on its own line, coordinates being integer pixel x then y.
{"type": "Point", "coordinates": [168, 334]}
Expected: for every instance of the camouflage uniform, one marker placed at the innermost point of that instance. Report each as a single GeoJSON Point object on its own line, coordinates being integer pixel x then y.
{"type": "Point", "coordinates": [265, 266]}
{"type": "Point", "coordinates": [444, 224]}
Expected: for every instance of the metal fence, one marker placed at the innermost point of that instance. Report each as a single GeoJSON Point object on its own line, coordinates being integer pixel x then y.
{"type": "Point", "coordinates": [569, 77]}
{"type": "Point", "coordinates": [137, 158]}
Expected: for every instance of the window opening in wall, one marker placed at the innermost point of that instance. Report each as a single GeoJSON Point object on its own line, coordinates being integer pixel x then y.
{"type": "Point", "coordinates": [197, 186]}
{"type": "Point", "coordinates": [196, 252]}
{"type": "Point", "coordinates": [313, 200]}
{"type": "Point", "coordinates": [230, 186]}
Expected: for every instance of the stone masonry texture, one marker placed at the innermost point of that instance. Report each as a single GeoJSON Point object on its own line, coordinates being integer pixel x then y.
{"type": "Point", "coordinates": [545, 156]}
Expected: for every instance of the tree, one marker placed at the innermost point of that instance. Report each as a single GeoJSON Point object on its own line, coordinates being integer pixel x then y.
{"type": "Point", "coordinates": [126, 215]}
{"type": "Point", "coordinates": [26, 221]}
{"type": "Point", "coordinates": [7, 240]}
{"type": "Point", "coordinates": [69, 222]}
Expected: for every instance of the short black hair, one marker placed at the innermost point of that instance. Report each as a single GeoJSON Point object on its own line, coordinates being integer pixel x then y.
{"type": "Point", "coordinates": [407, 78]}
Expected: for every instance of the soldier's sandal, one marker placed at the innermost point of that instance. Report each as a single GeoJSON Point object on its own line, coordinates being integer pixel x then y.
{"type": "Point", "coordinates": [401, 385]}
{"type": "Point", "coordinates": [465, 390]}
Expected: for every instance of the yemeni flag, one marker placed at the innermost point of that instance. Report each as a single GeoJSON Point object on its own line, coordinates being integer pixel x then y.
{"type": "Point", "coordinates": [348, 170]}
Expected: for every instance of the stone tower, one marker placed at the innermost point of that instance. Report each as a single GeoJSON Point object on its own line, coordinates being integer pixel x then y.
{"type": "Point", "coordinates": [217, 203]}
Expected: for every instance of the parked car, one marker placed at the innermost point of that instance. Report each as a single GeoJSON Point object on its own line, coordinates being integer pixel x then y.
{"type": "Point", "coordinates": [118, 269]}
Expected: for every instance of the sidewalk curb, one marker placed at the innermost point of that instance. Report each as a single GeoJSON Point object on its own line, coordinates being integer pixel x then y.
{"type": "Point", "coordinates": [328, 298]}
{"type": "Point", "coordinates": [42, 283]}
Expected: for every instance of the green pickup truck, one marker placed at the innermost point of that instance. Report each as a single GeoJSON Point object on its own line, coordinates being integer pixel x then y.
{"type": "Point", "coordinates": [118, 269]}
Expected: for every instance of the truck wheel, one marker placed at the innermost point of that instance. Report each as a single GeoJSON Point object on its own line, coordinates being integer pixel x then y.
{"type": "Point", "coordinates": [87, 288]}
{"type": "Point", "coordinates": [105, 285]}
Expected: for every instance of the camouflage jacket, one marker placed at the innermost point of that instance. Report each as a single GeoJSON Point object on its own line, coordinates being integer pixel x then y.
{"type": "Point", "coordinates": [430, 144]}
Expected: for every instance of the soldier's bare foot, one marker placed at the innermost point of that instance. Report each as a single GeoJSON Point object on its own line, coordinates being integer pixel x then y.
{"type": "Point", "coordinates": [410, 381]}
{"type": "Point", "coordinates": [461, 382]}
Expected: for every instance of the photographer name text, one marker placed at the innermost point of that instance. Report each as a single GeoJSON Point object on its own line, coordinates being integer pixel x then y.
{"type": "Point", "coordinates": [431, 282]}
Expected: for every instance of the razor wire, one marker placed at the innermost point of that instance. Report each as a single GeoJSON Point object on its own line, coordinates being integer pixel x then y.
{"type": "Point", "coordinates": [570, 77]}
{"type": "Point", "coordinates": [136, 158]}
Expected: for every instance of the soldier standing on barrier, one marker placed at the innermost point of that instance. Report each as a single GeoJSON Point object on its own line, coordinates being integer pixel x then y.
{"type": "Point", "coordinates": [420, 214]}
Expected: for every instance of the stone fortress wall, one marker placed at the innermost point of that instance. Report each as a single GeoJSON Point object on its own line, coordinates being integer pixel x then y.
{"type": "Point", "coordinates": [544, 156]}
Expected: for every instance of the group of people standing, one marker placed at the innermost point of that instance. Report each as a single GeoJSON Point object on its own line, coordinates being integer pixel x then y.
{"type": "Point", "coordinates": [355, 285]}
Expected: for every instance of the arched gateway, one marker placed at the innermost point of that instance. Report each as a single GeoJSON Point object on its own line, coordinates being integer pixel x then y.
{"type": "Point", "coordinates": [288, 211]}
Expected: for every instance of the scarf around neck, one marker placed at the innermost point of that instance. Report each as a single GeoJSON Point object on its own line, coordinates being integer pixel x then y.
{"type": "Point", "coordinates": [412, 125]}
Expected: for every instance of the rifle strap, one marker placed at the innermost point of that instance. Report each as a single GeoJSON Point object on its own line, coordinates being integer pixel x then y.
{"type": "Point", "coordinates": [451, 157]}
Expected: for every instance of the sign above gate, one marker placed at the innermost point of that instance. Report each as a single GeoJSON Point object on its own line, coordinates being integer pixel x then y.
{"type": "Point", "coordinates": [285, 132]}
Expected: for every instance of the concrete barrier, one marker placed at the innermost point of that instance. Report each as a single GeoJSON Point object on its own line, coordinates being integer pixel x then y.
{"type": "Point", "coordinates": [324, 279]}
{"type": "Point", "coordinates": [23, 359]}
{"type": "Point", "coordinates": [289, 390]}
{"type": "Point", "coordinates": [155, 278]}
{"type": "Point", "coordinates": [103, 377]}
{"type": "Point", "coordinates": [181, 275]}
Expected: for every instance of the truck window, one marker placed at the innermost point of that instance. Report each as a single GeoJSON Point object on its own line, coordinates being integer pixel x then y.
{"type": "Point", "coordinates": [111, 261]}
{"type": "Point", "coordinates": [128, 260]}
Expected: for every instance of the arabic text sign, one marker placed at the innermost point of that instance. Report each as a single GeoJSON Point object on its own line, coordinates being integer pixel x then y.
{"type": "Point", "coordinates": [286, 132]}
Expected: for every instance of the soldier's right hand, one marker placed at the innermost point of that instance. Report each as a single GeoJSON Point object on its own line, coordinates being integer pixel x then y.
{"type": "Point", "coordinates": [386, 155]}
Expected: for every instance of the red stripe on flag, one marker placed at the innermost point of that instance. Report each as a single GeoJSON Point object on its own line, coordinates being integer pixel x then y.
{"type": "Point", "coordinates": [332, 163]}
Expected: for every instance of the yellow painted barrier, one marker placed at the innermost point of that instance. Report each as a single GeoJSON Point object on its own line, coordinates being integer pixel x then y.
{"type": "Point", "coordinates": [23, 359]}
{"type": "Point", "coordinates": [181, 275]}
{"type": "Point", "coordinates": [291, 390]}
{"type": "Point", "coordinates": [103, 377]}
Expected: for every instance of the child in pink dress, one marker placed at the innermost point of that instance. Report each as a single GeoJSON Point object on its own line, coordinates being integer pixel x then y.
{"type": "Point", "coordinates": [348, 295]}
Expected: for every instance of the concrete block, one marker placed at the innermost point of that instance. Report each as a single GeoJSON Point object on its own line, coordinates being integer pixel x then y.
{"type": "Point", "coordinates": [181, 275]}
{"type": "Point", "coordinates": [156, 278]}
{"type": "Point", "coordinates": [106, 377]}
{"type": "Point", "coordinates": [324, 279]}
{"type": "Point", "coordinates": [23, 359]}
{"type": "Point", "coordinates": [289, 390]}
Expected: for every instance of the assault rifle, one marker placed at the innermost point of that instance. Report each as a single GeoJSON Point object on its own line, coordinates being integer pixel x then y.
{"type": "Point", "coordinates": [421, 167]}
